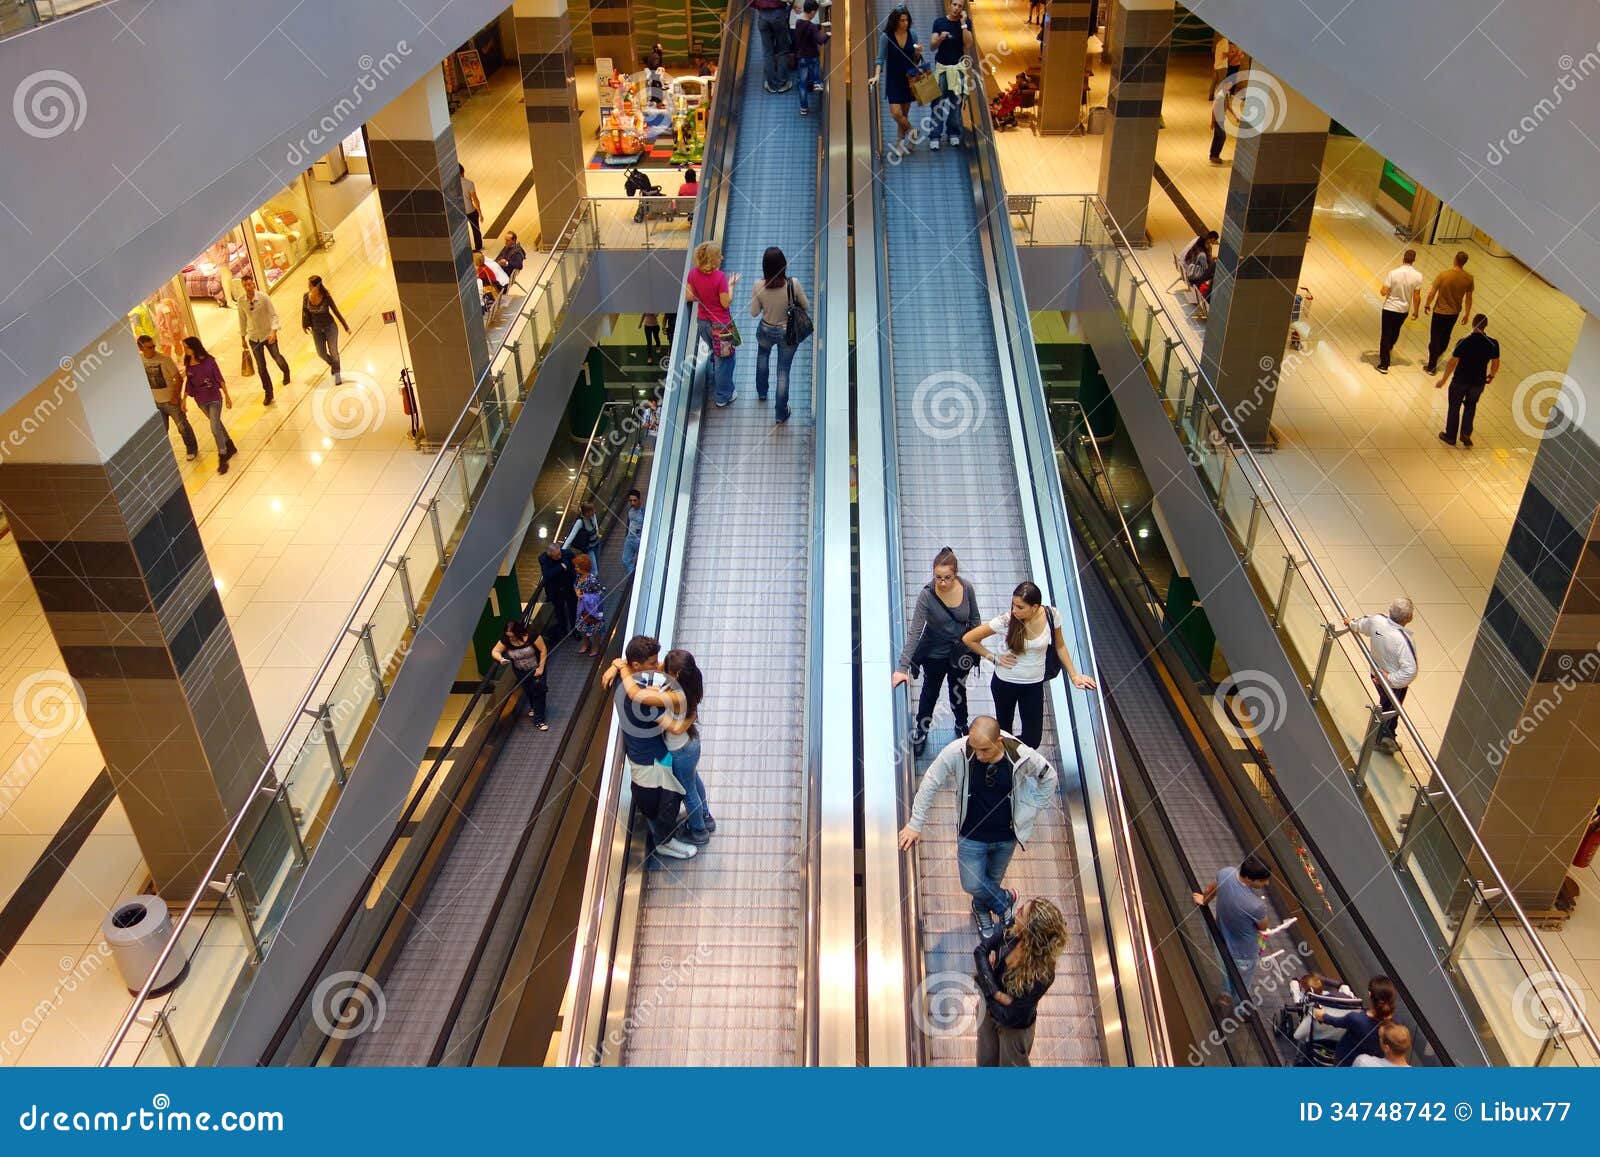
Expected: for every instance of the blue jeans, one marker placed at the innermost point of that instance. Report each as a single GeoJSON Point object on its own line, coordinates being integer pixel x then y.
{"type": "Point", "coordinates": [947, 113]}
{"type": "Point", "coordinates": [721, 368]}
{"type": "Point", "coordinates": [983, 868]}
{"type": "Point", "coordinates": [630, 552]}
{"type": "Point", "coordinates": [776, 44]}
{"type": "Point", "coordinates": [1247, 970]}
{"type": "Point", "coordinates": [768, 336]}
{"type": "Point", "coordinates": [685, 766]}
{"type": "Point", "coordinates": [807, 73]}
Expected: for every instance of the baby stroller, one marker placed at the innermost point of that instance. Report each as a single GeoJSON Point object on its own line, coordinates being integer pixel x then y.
{"type": "Point", "coordinates": [639, 185]}
{"type": "Point", "coordinates": [1313, 1042]}
{"type": "Point", "coordinates": [1003, 108]}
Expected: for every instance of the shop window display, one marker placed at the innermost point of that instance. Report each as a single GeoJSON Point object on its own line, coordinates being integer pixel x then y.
{"type": "Point", "coordinates": [285, 234]}
{"type": "Point", "coordinates": [165, 318]}
{"type": "Point", "coordinates": [216, 272]}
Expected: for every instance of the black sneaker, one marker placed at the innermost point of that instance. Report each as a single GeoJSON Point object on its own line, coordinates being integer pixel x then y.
{"type": "Point", "coordinates": [1465, 441]}
{"type": "Point", "coordinates": [711, 822]}
{"type": "Point", "coordinates": [222, 465]}
{"type": "Point", "coordinates": [1448, 441]}
{"type": "Point", "coordinates": [698, 839]}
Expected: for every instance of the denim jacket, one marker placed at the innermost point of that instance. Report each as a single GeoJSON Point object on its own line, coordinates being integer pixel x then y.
{"type": "Point", "coordinates": [1033, 785]}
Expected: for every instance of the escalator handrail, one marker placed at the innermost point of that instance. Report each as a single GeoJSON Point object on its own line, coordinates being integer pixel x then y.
{"type": "Point", "coordinates": [875, 382]}
{"type": "Point", "coordinates": [651, 609]}
{"type": "Point", "coordinates": [264, 785]}
{"type": "Point", "coordinates": [1240, 447]}
{"type": "Point", "coordinates": [1143, 1023]}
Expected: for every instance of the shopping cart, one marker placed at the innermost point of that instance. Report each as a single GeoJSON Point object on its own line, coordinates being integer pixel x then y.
{"type": "Point", "coordinates": [1300, 319]}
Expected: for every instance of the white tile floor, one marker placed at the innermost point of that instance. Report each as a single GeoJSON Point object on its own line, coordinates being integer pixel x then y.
{"type": "Point", "coordinates": [292, 532]}
{"type": "Point", "coordinates": [294, 529]}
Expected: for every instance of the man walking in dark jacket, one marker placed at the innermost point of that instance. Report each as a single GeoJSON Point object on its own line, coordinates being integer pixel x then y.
{"type": "Point", "coordinates": [560, 586]}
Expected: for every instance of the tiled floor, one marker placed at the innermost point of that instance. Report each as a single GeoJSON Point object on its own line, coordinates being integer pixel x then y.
{"type": "Point", "coordinates": [1386, 509]}
{"type": "Point", "coordinates": [292, 532]}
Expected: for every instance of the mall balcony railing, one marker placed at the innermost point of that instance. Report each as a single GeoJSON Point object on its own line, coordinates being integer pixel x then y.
{"type": "Point", "coordinates": [230, 922]}
{"type": "Point", "coordinates": [1527, 1010]}
{"type": "Point", "coordinates": [20, 15]}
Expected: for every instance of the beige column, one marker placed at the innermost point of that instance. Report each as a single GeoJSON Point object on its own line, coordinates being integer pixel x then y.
{"type": "Point", "coordinates": [1062, 64]}
{"type": "Point", "coordinates": [550, 92]}
{"type": "Point", "coordinates": [1139, 32]}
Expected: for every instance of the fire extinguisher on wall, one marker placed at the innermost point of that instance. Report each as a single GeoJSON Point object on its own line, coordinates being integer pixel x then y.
{"type": "Point", "coordinates": [1590, 844]}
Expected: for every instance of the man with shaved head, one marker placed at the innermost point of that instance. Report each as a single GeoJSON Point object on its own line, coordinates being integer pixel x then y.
{"type": "Point", "coordinates": [1001, 783]}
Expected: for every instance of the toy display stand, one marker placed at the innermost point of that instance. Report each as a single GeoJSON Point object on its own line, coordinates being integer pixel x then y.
{"type": "Point", "coordinates": [691, 99]}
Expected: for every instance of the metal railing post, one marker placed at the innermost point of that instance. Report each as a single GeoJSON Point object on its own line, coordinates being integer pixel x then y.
{"type": "Point", "coordinates": [1255, 524]}
{"type": "Point", "coordinates": [161, 1031]}
{"type": "Point", "coordinates": [371, 649]}
{"type": "Point", "coordinates": [1369, 743]}
{"type": "Point", "coordinates": [285, 810]}
{"type": "Point", "coordinates": [404, 571]}
{"type": "Point", "coordinates": [331, 739]}
{"type": "Point", "coordinates": [1284, 587]}
{"type": "Point", "coordinates": [438, 531]}
{"type": "Point", "coordinates": [229, 887]}
{"type": "Point", "coordinates": [1414, 823]}
{"type": "Point", "coordinates": [1323, 655]}
{"type": "Point", "coordinates": [1469, 921]}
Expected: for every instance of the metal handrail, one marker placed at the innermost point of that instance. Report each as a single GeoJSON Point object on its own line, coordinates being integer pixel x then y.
{"type": "Point", "coordinates": [1151, 1018]}
{"type": "Point", "coordinates": [1238, 445]}
{"type": "Point", "coordinates": [584, 1027]}
{"type": "Point", "coordinates": [261, 785]}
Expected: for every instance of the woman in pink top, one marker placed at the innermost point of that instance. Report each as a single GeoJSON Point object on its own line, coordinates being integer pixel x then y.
{"type": "Point", "coordinates": [712, 290]}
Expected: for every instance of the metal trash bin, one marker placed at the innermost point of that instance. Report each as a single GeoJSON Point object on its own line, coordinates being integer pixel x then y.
{"type": "Point", "coordinates": [137, 930]}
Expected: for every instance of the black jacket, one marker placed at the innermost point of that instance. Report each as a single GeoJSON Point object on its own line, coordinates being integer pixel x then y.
{"type": "Point", "coordinates": [1024, 1009]}
{"type": "Point", "coordinates": [560, 576]}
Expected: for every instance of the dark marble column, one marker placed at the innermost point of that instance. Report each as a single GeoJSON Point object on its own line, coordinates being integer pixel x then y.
{"type": "Point", "coordinates": [1522, 748]}
{"type": "Point", "coordinates": [611, 27]}
{"type": "Point", "coordinates": [93, 496]}
{"type": "Point", "coordinates": [1277, 163]}
{"type": "Point", "coordinates": [1061, 65]}
{"type": "Point", "coordinates": [1139, 31]}
{"type": "Point", "coordinates": [550, 92]}
{"type": "Point", "coordinates": [417, 175]}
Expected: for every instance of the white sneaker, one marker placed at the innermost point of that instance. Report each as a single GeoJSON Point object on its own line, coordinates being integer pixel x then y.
{"type": "Point", "coordinates": [955, 142]}
{"type": "Point", "coordinates": [933, 146]}
{"type": "Point", "coordinates": [677, 850]}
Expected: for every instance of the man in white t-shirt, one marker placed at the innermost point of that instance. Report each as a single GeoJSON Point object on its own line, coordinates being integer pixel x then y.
{"type": "Point", "coordinates": [1402, 294]}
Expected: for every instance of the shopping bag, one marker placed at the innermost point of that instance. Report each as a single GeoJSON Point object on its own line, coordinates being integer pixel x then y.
{"type": "Point", "coordinates": [247, 365]}
{"type": "Point", "coordinates": [925, 87]}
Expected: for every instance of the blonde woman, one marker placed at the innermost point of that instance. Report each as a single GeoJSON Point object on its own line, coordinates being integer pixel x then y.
{"type": "Point", "coordinates": [712, 290]}
{"type": "Point", "coordinates": [1016, 966]}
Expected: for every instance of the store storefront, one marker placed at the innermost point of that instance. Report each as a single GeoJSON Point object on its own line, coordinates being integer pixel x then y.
{"type": "Point", "coordinates": [284, 231]}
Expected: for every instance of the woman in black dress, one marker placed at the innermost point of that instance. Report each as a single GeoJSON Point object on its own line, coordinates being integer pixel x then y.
{"type": "Point", "coordinates": [901, 52]}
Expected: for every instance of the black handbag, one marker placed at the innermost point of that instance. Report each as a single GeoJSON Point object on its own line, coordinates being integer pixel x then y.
{"type": "Point", "coordinates": [1052, 661]}
{"type": "Point", "coordinates": [797, 326]}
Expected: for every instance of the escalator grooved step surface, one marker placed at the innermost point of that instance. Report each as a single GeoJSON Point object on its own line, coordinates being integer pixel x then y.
{"type": "Point", "coordinates": [957, 488]}
{"type": "Point", "coordinates": [711, 923]}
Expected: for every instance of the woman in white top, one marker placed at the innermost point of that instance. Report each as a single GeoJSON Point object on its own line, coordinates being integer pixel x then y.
{"type": "Point", "coordinates": [1028, 631]}
{"type": "Point", "coordinates": [679, 700]}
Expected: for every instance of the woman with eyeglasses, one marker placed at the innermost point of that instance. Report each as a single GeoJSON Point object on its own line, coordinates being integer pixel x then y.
{"type": "Point", "coordinates": [947, 608]}
{"type": "Point", "coordinates": [1031, 634]}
